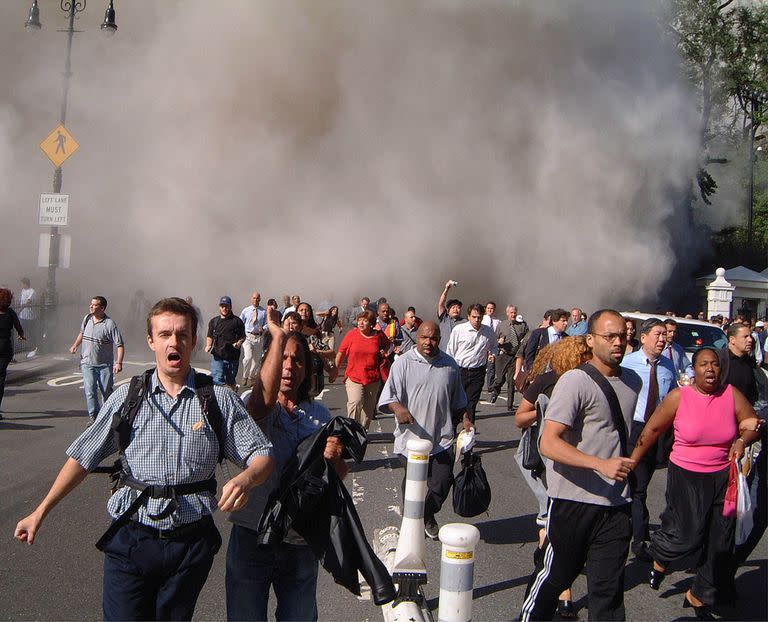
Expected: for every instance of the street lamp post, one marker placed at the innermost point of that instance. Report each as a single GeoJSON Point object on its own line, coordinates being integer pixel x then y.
{"type": "Point", "coordinates": [109, 27]}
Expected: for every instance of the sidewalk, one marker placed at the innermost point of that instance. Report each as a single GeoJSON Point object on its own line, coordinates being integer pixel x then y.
{"type": "Point", "coordinates": [30, 369]}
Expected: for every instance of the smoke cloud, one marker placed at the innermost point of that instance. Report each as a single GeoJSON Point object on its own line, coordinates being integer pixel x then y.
{"type": "Point", "coordinates": [535, 152]}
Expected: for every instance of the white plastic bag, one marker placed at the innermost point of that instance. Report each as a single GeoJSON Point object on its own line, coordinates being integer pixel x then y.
{"type": "Point", "coordinates": [464, 442]}
{"type": "Point", "coordinates": [744, 509]}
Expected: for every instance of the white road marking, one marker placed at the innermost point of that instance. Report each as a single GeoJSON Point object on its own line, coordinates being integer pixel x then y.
{"type": "Point", "coordinates": [65, 381]}
{"type": "Point", "coordinates": [358, 491]}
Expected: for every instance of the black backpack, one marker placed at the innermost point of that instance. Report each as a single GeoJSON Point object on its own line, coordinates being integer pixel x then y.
{"type": "Point", "coordinates": [122, 426]}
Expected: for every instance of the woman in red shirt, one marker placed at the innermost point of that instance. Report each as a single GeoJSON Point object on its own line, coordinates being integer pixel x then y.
{"type": "Point", "coordinates": [364, 348]}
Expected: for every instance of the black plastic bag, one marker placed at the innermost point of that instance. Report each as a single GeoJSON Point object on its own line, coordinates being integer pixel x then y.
{"type": "Point", "coordinates": [471, 491]}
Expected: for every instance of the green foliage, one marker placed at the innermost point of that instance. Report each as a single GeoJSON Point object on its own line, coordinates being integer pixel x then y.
{"type": "Point", "coordinates": [761, 201]}
{"type": "Point", "coordinates": [723, 48]}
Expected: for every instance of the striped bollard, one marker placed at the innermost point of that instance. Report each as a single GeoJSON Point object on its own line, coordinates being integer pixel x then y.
{"type": "Point", "coordinates": [409, 570]}
{"type": "Point", "coordinates": [457, 569]}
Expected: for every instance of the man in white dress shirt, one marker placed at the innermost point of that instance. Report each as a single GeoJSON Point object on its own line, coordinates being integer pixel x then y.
{"type": "Point", "coordinates": [254, 317]}
{"type": "Point", "coordinates": [470, 344]}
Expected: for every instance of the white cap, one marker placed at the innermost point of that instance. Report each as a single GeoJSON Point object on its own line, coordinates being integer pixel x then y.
{"type": "Point", "coordinates": [759, 324]}
{"type": "Point", "coordinates": [519, 318]}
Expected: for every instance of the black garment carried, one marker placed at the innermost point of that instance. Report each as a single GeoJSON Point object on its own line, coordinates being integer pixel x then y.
{"type": "Point", "coordinates": [122, 429]}
{"type": "Point", "coordinates": [471, 491]}
{"type": "Point", "coordinates": [313, 501]}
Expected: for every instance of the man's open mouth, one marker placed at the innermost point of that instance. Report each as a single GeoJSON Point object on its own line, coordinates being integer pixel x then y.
{"type": "Point", "coordinates": [174, 357]}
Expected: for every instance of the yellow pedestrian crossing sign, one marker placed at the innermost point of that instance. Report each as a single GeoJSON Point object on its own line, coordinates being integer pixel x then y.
{"type": "Point", "coordinates": [59, 145]}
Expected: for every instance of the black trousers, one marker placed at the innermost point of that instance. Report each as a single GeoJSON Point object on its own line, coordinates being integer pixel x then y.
{"type": "Point", "coordinates": [5, 360]}
{"type": "Point", "coordinates": [582, 535]}
{"type": "Point", "coordinates": [641, 478]}
{"type": "Point", "coordinates": [146, 578]}
{"type": "Point", "coordinates": [693, 524]}
{"type": "Point", "coordinates": [490, 377]}
{"type": "Point", "coordinates": [505, 372]}
{"type": "Point", "coordinates": [472, 378]}
{"type": "Point", "coordinates": [439, 481]}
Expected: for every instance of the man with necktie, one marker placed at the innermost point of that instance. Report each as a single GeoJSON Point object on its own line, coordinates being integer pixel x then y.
{"type": "Point", "coordinates": [659, 378]}
{"type": "Point", "coordinates": [675, 352]}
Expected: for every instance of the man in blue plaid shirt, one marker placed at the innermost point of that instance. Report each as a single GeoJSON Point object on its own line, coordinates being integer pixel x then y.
{"type": "Point", "coordinates": [157, 562]}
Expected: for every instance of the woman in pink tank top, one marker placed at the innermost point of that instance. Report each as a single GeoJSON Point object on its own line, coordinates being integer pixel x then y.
{"type": "Point", "coordinates": [707, 420]}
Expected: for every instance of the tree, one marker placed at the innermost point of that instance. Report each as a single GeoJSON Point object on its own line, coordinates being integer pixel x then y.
{"type": "Point", "coordinates": [723, 46]}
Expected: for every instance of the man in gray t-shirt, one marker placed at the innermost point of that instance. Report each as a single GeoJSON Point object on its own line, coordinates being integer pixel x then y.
{"type": "Point", "coordinates": [99, 338]}
{"type": "Point", "coordinates": [424, 392]}
{"type": "Point", "coordinates": [589, 522]}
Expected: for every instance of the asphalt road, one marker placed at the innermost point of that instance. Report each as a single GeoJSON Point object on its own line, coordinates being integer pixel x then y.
{"type": "Point", "coordinates": [59, 578]}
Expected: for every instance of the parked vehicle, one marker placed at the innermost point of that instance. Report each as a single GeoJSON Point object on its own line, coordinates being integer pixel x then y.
{"type": "Point", "coordinates": [691, 334]}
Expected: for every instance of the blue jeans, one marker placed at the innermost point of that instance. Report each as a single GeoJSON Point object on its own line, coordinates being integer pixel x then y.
{"type": "Point", "coordinates": [223, 371]}
{"type": "Point", "coordinates": [146, 578]}
{"type": "Point", "coordinates": [291, 569]}
{"type": "Point", "coordinates": [97, 379]}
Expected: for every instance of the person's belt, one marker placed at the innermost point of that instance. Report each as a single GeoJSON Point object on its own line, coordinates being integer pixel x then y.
{"type": "Point", "coordinates": [177, 532]}
{"type": "Point", "coordinates": [154, 492]}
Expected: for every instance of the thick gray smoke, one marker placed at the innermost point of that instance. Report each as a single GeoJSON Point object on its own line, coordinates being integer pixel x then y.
{"type": "Point", "coordinates": [531, 150]}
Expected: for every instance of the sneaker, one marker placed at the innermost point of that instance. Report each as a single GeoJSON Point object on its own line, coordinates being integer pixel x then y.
{"type": "Point", "coordinates": [431, 528]}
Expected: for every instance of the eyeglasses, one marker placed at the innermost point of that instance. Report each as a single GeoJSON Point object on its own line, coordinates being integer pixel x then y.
{"type": "Point", "coordinates": [611, 337]}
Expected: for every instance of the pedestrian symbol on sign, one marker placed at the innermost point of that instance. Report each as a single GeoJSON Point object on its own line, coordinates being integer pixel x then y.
{"type": "Point", "coordinates": [59, 145]}
{"type": "Point", "coordinates": [61, 140]}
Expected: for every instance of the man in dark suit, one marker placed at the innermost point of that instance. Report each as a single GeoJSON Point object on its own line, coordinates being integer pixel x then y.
{"type": "Point", "coordinates": [544, 336]}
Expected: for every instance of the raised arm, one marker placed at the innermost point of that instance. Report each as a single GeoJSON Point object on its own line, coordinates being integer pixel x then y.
{"type": "Point", "coordinates": [264, 394]}
{"type": "Point", "coordinates": [443, 297]}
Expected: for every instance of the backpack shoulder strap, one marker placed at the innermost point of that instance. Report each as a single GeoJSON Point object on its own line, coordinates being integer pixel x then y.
{"type": "Point", "coordinates": [85, 322]}
{"type": "Point", "coordinates": [613, 403]}
{"type": "Point", "coordinates": [211, 409]}
{"type": "Point", "coordinates": [122, 420]}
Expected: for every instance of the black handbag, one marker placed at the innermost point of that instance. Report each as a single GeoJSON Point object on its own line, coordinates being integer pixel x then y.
{"type": "Point", "coordinates": [471, 491]}
{"type": "Point", "coordinates": [529, 441]}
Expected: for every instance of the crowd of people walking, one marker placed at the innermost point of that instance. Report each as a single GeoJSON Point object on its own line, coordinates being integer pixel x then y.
{"type": "Point", "coordinates": [598, 393]}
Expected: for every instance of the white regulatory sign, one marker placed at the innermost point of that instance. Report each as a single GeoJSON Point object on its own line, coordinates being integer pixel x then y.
{"type": "Point", "coordinates": [54, 209]}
